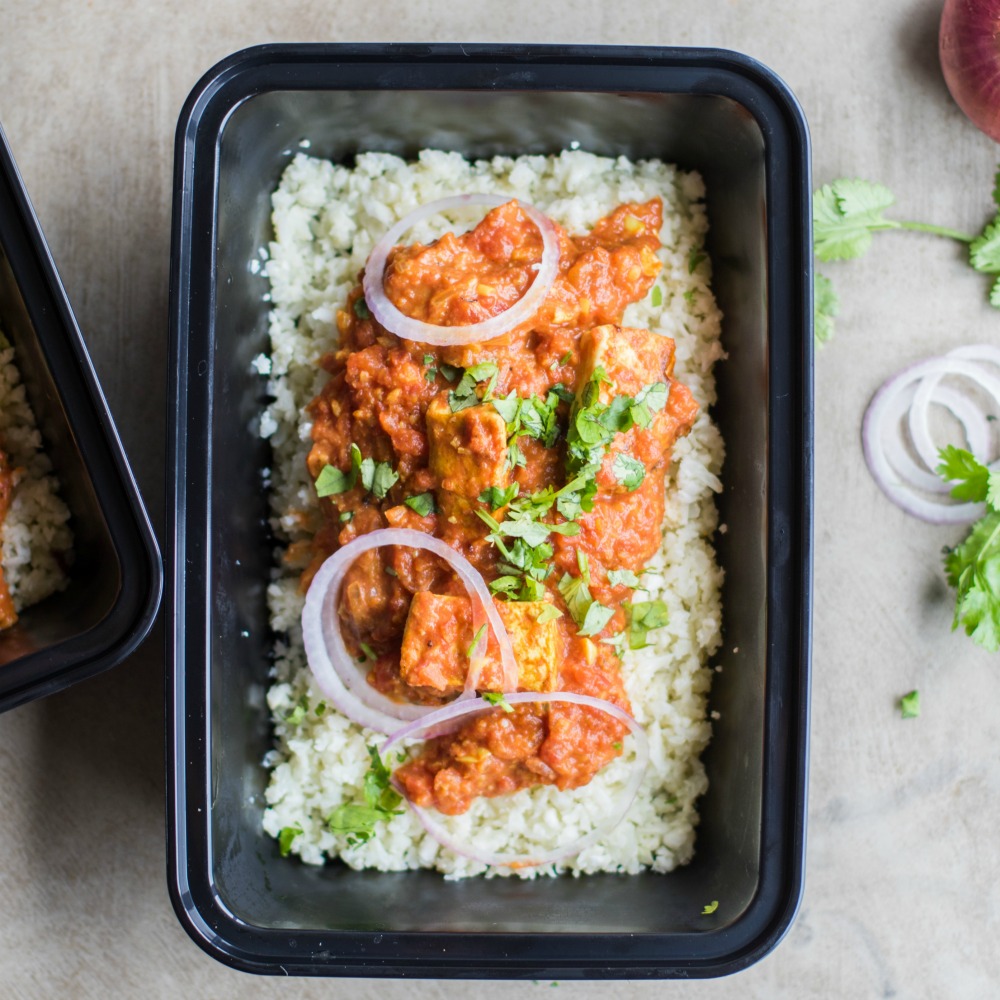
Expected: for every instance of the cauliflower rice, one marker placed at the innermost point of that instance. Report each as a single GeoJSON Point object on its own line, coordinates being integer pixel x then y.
{"type": "Point", "coordinates": [326, 219]}
{"type": "Point", "coordinates": [36, 533]}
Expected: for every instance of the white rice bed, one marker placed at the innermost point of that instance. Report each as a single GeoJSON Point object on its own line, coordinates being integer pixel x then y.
{"type": "Point", "coordinates": [36, 537]}
{"type": "Point", "coordinates": [326, 219]}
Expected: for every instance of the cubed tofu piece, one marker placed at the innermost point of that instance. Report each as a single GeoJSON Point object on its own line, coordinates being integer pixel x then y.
{"type": "Point", "coordinates": [634, 359]}
{"type": "Point", "coordinates": [438, 634]}
{"type": "Point", "coordinates": [468, 452]}
{"type": "Point", "coordinates": [535, 643]}
{"type": "Point", "coordinates": [631, 358]}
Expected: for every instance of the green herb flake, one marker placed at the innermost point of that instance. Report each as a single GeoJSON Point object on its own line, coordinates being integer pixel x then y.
{"type": "Point", "coordinates": [495, 498]}
{"type": "Point", "coordinates": [390, 571]}
{"type": "Point", "coordinates": [695, 257]}
{"type": "Point", "coordinates": [361, 309]}
{"type": "Point", "coordinates": [566, 358]}
{"type": "Point", "coordinates": [548, 613]}
{"type": "Point", "coordinates": [299, 712]}
{"type": "Point", "coordinates": [622, 577]}
{"type": "Point", "coordinates": [368, 652]}
{"type": "Point", "coordinates": [464, 394]}
{"type": "Point", "coordinates": [596, 618]}
{"type": "Point", "coordinates": [617, 745]}
{"type": "Point", "coordinates": [422, 503]}
{"type": "Point", "coordinates": [346, 516]}
{"type": "Point", "coordinates": [320, 709]}
{"type": "Point", "coordinates": [428, 360]}
{"type": "Point", "coordinates": [644, 617]}
{"type": "Point", "coordinates": [497, 699]}
{"type": "Point", "coordinates": [476, 639]}
{"type": "Point", "coordinates": [331, 481]}
{"type": "Point", "coordinates": [656, 298]}
{"type": "Point", "coordinates": [710, 908]}
{"type": "Point", "coordinates": [909, 705]}
{"type": "Point", "coordinates": [377, 477]}
{"type": "Point", "coordinates": [286, 837]}
{"type": "Point", "coordinates": [628, 470]}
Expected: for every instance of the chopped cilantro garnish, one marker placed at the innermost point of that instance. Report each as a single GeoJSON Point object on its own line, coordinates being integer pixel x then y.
{"type": "Point", "coordinates": [428, 360]}
{"type": "Point", "coordinates": [464, 394]}
{"type": "Point", "coordinates": [547, 614]}
{"type": "Point", "coordinates": [617, 745]}
{"type": "Point", "coordinates": [320, 709]}
{"type": "Point", "coordinates": [368, 652]}
{"type": "Point", "coordinates": [332, 481]}
{"type": "Point", "coordinates": [299, 712]}
{"type": "Point", "coordinates": [390, 571]}
{"type": "Point", "coordinates": [656, 298]}
{"type": "Point", "coordinates": [583, 564]}
{"type": "Point", "coordinates": [566, 358]}
{"type": "Point", "coordinates": [597, 616]}
{"type": "Point", "coordinates": [497, 699]}
{"type": "Point", "coordinates": [285, 838]}
{"type": "Point", "coordinates": [643, 617]}
{"type": "Point", "coordinates": [476, 639]}
{"type": "Point", "coordinates": [381, 802]}
{"type": "Point", "coordinates": [629, 471]}
{"type": "Point", "coordinates": [620, 577]}
{"type": "Point", "coordinates": [346, 516]}
{"type": "Point", "coordinates": [695, 257]}
{"type": "Point", "coordinates": [495, 498]}
{"type": "Point", "coordinates": [377, 477]}
{"type": "Point", "coordinates": [710, 908]}
{"type": "Point", "coordinates": [909, 705]}
{"type": "Point", "coordinates": [361, 309]}
{"type": "Point", "coordinates": [450, 372]}
{"type": "Point", "coordinates": [422, 503]}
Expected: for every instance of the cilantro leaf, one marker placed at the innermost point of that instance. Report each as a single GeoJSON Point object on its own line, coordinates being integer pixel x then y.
{"type": "Point", "coordinates": [643, 617]}
{"type": "Point", "coordinates": [656, 297]}
{"type": "Point", "coordinates": [618, 577]}
{"type": "Point", "coordinates": [497, 699]}
{"type": "Point", "coordinates": [973, 569]}
{"type": "Point", "coordinates": [549, 613]}
{"type": "Point", "coordinates": [464, 394]}
{"type": "Point", "coordinates": [476, 639]}
{"type": "Point", "coordinates": [377, 477]}
{"type": "Point", "coordinates": [826, 305]}
{"type": "Point", "coordinates": [710, 908]}
{"type": "Point", "coordinates": [845, 214]}
{"type": "Point", "coordinates": [984, 250]}
{"type": "Point", "coordinates": [628, 470]}
{"type": "Point", "coordinates": [286, 837]}
{"type": "Point", "coordinates": [973, 476]}
{"type": "Point", "coordinates": [361, 309]}
{"type": "Point", "coordinates": [909, 705]}
{"type": "Point", "coordinates": [331, 481]}
{"type": "Point", "coordinates": [381, 802]}
{"type": "Point", "coordinates": [597, 616]}
{"type": "Point", "coordinates": [495, 498]}
{"type": "Point", "coordinates": [422, 503]}
{"type": "Point", "coordinates": [576, 594]}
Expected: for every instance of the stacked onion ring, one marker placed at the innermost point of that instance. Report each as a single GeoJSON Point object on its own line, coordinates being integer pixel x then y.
{"type": "Point", "coordinates": [896, 435]}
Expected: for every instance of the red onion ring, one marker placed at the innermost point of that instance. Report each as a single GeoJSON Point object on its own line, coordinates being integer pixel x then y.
{"type": "Point", "coordinates": [449, 714]}
{"type": "Point", "coordinates": [897, 474]}
{"type": "Point", "coordinates": [408, 328]}
{"type": "Point", "coordinates": [336, 673]}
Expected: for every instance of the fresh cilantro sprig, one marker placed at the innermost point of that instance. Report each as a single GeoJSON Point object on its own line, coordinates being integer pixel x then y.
{"type": "Point", "coordinates": [381, 802]}
{"type": "Point", "coordinates": [845, 215]}
{"type": "Point", "coordinates": [973, 567]}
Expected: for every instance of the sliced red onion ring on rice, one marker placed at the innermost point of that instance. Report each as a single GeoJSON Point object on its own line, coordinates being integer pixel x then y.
{"type": "Point", "coordinates": [386, 313]}
{"type": "Point", "coordinates": [338, 675]}
{"type": "Point", "coordinates": [910, 395]}
{"type": "Point", "coordinates": [469, 708]}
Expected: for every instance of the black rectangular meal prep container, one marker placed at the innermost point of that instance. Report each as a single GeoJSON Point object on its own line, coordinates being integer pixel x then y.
{"type": "Point", "coordinates": [116, 578]}
{"type": "Point", "coordinates": [715, 111]}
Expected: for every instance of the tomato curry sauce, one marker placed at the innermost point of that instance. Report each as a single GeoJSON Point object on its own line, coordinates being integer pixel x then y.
{"type": "Point", "coordinates": [539, 455]}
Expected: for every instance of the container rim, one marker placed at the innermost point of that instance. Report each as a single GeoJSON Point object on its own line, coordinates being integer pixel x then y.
{"type": "Point", "coordinates": [623, 69]}
{"type": "Point", "coordinates": [130, 618]}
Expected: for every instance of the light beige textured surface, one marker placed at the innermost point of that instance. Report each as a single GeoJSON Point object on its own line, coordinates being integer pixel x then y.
{"type": "Point", "coordinates": [902, 894]}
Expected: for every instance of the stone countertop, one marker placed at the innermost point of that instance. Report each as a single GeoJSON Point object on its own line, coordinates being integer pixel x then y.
{"type": "Point", "coordinates": [902, 893]}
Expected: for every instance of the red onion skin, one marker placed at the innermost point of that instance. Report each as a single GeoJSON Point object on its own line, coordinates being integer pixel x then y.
{"type": "Point", "coordinates": [969, 49]}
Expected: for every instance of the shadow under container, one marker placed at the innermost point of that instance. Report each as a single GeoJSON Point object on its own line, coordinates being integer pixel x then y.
{"type": "Point", "coordinates": [115, 577]}
{"type": "Point", "coordinates": [717, 112]}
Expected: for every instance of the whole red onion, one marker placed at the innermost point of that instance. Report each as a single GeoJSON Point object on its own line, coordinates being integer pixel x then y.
{"type": "Point", "coordinates": [969, 45]}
